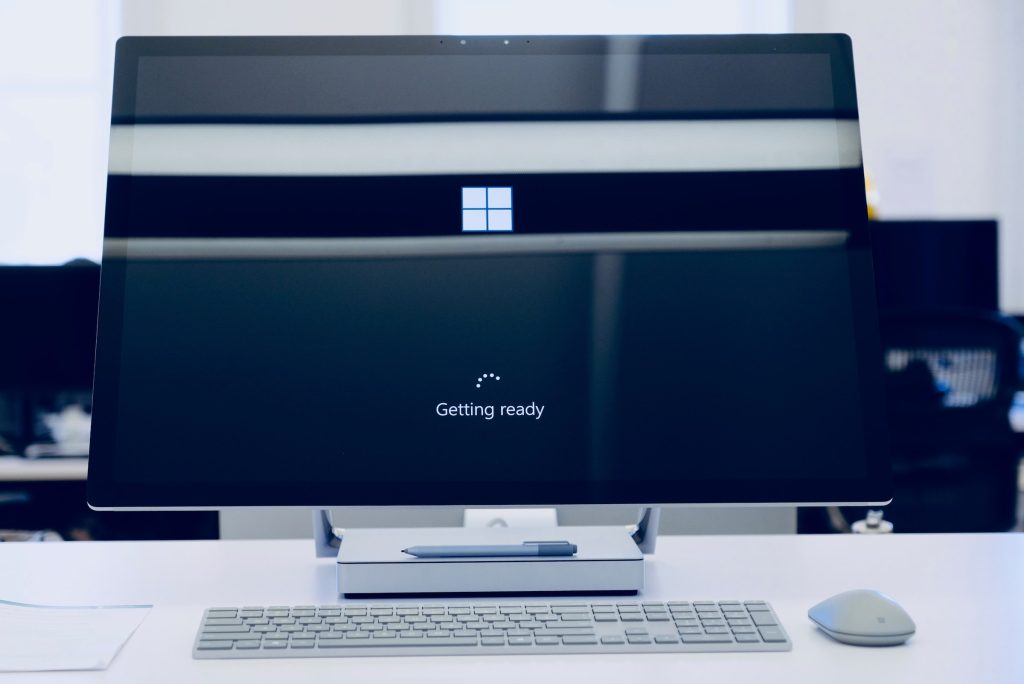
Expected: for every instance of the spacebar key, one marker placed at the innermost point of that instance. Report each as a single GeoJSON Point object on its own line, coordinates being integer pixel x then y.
{"type": "Point", "coordinates": [453, 641]}
{"type": "Point", "coordinates": [564, 631]}
{"type": "Point", "coordinates": [397, 643]}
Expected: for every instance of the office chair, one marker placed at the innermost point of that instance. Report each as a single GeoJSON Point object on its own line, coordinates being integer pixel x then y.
{"type": "Point", "coordinates": [950, 381]}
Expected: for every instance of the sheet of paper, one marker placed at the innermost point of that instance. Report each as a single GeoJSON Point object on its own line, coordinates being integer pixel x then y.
{"type": "Point", "coordinates": [35, 638]}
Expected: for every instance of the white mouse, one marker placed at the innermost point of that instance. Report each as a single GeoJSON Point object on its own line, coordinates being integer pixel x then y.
{"type": "Point", "coordinates": [863, 618]}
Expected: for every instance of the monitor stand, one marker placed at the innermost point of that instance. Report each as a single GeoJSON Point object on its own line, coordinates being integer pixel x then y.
{"type": "Point", "coordinates": [370, 562]}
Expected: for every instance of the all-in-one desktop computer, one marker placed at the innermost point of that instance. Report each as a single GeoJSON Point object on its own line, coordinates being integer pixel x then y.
{"type": "Point", "coordinates": [486, 271]}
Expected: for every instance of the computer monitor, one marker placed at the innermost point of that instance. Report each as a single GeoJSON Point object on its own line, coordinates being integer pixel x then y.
{"type": "Point", "coordinates": [486, 271]}
{"type": "Point", "coordinates": [932, 265]}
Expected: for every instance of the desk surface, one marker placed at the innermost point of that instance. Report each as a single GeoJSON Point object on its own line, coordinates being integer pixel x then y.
{"type": "Point", "coordinates": [18, 469]}
{"type": "Point", "coordinates": [966, 593]}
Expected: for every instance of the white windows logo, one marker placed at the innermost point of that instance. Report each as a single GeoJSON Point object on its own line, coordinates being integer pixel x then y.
{"type": "Point", "coordinates": [487, 210]}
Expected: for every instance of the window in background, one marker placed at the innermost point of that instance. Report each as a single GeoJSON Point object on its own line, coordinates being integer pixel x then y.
{"type": "Point", "coordinates": [56, 58]}
{"type": "Point", "coordinates": [504, 17]}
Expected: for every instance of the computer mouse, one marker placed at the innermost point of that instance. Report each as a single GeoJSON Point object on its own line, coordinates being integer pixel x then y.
{"type": "Point", "coordinates": [864, 618]}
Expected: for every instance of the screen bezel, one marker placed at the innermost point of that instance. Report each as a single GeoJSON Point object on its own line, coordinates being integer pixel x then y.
{"type": "Point", "coordinates": [106, 491]}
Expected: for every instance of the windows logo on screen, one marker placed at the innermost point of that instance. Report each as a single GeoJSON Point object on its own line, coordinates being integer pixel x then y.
{"type": "Point", "coordinates": [487, 210]}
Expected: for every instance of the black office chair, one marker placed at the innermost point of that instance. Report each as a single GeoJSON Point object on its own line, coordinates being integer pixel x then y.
{"type": "Point", "coordinates": [950, 381]}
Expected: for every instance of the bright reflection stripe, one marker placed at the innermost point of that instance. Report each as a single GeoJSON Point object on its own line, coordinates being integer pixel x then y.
{"type": "Point", "coordinates": [325, 248]}
{"type": "Point", "coordinates": [483, 147]}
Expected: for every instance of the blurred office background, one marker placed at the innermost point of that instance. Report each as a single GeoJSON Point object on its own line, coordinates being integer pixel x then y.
{"type": "Point", "coordinates": [941, 98]}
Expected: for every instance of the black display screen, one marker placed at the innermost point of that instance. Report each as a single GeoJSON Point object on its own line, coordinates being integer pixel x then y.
{"type": "Point", "coordinates": [299, 307]}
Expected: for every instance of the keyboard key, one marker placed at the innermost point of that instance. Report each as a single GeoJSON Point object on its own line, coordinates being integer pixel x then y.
{"type": "Point", "coordinates": [748, 639]}
{"type": "Point", "coordinates": [576, 617]}
{"type": "Point", "coordinates": [743, 629]}
{"type": "Point", "coordinates": [690, 630]}
{"type": "Point", "coordinates": [247, 644]}
{"type": "Point", "coordinates": [492, 641]}
{"type": "Point", "coordinates": [410, 634]}
{"type": "Point", "coordinates": [223, 622]}
{"type": "Point", "coordinates": [547, 641]}
{"type": "Point", "coordinates": [579, 640]}
{"type": "Point", "coordinates": [716, 630]}
{"type": "Point", "coordinates": [228, 636]}
{"type": "Point", "coordinates": [763, 618]}
{"type": "Point", "coordinates": [613, 639]}
{"type": "Point", "coordinates": [638, 639]}
{"type": "Point", "coordinates": [520, 641]}
{"type": "Point", "coordinates": [224, 628]}
{"type": "Point", "coordinates": [706, 638]}
{"type": "Point", "coordinates": [214, 645]}
{"type": "Point", "coordinates": [330, 643]}
{"type": "Point", "coordinates": [222, 613]}
{"type": "Point", "coordinates": [302, 643]}
{"type": "Point", "coordinates": [771, 634]}
{"type": "Point", "coordinates": [563, 631]}
{"type": "Point", "coordinates": [275, 643]}
{"type": "Point", "coordinates": [665, 639]}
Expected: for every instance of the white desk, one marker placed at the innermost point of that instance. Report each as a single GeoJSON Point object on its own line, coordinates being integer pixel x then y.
{"type": "Point", "coordinates": [966, 594]}
{"type": "Point", "coordinates": [18, 469]}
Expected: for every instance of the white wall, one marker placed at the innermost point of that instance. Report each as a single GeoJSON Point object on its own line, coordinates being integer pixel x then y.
{"type": "Point", "coordinates": [276, 17]}
{"type": "Point", "coordinates": [934, 88]}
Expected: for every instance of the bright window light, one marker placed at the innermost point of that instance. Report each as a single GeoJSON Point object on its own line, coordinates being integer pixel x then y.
{"type": "Point", "coordinates": [56, 62]}
{"type": "Point", "coordinates": [511, 17]}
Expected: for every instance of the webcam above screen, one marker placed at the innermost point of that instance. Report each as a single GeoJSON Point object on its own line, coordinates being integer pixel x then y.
{"type": "Point", "coordinates": [486, 271]}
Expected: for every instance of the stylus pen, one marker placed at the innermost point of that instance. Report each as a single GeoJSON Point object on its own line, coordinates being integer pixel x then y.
{"type": "Point", "coordinates": [557, 548]}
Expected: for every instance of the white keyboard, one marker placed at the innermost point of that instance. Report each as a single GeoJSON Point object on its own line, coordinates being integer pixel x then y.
{"type": "Point", "coordinates": [488, 627]}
